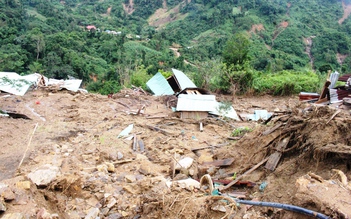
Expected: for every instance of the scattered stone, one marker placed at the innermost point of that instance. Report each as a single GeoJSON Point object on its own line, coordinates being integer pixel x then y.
{"type": "Point", "coordinates": [13, 216]}
{"type": "Point", "coordinates": [44, 175]}
{"type": "Point", "coordinates": [111, 202]}
{"type": "Point", "coordinates": [115, 216]}
{"type": "Point", "coordinates": [131, 189]}
{"type": "Point", "coordinates": [184, 163]}
{"type": "Point", "coordinates": [23, 185]}
{"type": "Point", "coordinates": [219, 208]}
{"type": "Point", "coordinates": [2, 205]}
{"type": "Point", "coordinates": [105, 211]}
{"type": "Point", "coordinates": [205, 157]}
{"type": "Point", "coordinates": [130, 178]}
{"type": "Point", "coordinates": [43, 214]}
{"type": "Point", "coordinates": [119, 155]}
{"type": "Point", "coordinates": [92, 213]}
{"type": "Point", "coordinates": [110, 167]}
{"type": "Point", "coordinates": [189, 184]}
{"type": "Point", "coordinates": [124, 213]}
{"type": "Point", "coordinates": [102, 168]}
{"type": "Point", "coordinates": [8, 195]}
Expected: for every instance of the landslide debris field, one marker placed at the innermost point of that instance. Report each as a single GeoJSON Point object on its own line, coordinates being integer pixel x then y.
{"type": "Point", "coordinates": [70, 161]}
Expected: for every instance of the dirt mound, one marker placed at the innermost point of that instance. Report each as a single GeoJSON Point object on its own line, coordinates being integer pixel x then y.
{"type": "Point", "coordinates": [77, 163]}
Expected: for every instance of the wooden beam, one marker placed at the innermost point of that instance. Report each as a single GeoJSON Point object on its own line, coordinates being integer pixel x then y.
{"type": "Point", "coordinates": [275, 157]}
{"type": "Point", "coordinates": [246, 173]}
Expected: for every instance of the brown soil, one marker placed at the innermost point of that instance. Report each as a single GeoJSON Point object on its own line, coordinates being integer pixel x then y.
{"type": "Point", "coordinates": [256, 28]}
{"type": "Point", "coordinates": [347, 12]}
{"type": "Point", "coordinates": [341, 58]}
{"type": "Point", "coordinates": [129, 8]}
{"type": "Point", "coordinates": [77, 133]}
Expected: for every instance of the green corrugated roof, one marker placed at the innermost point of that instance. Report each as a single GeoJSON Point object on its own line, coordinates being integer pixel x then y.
{"type": "Point", "coordinates": [159, 85]}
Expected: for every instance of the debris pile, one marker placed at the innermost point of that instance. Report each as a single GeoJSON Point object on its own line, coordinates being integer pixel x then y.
{"type": "Point", "coordinates": [129, 155]}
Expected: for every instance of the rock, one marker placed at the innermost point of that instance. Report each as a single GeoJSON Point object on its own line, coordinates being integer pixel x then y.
{"type": "Point", "coordinates": [119, 155]}
{"type": "Point", "coordinates": [189, 183]}
{"type": "Point", "coordinates": [102, 168]}
{"type": "Point", "coordinates": [13, 216]}
{"type": "Point", "coordinates": [111, 202]}
{"type": "Point", "coordinates": [110, 167]}
{"type": "Point", "coordinates": [92, 213]}
{"type": "Point", "coordinates": [2, 205]}
{"type": "Point", "coordinates": [43, 214]}
{"type": "Point", "coordinates": [130, 178]}
{"type": "Point", "coordinates": [115, 216]}
{"type": "Point", "coordinates": [219, 208]}
{"type": "Point", "coordinates": [8, 194]}
{"type": "Point", "coordinates": [184, 163]}
{"type": "Point", "coordinates": [105, 211]}
{"type": "Point", "coordinates": [23, 185]}
{"type": "Point", "coordinates": [44, 175]}
{"type": "Point", "coordinates": [205, 157]}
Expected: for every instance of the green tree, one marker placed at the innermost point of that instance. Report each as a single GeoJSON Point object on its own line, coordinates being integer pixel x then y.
{"type": "Point", "coordinates": [236, 49]}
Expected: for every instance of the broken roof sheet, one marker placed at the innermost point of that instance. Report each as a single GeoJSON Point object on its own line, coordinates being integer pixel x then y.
{"type": "Point", "coordinates": [159, 85]}
{"type": "Point", "coordinates": [204, 103]}
{"type": "Point", "coordinates": [14, 83]}
{"type": "Point", "coordinates": [220, 109]}
{"type": "Point", "coordinates": [72, 85]}
{"type": "Point", "coordinates": [183, 80]}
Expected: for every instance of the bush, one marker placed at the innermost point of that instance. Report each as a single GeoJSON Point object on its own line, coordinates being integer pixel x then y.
{"type": "Point", "coordinates": [104, 88]}
{"type": "Point", "coordinates": [286, 82]}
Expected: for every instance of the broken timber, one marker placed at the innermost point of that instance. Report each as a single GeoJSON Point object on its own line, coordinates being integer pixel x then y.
{"type": "Point", "coordinates": [158, 130]}
{"type": "Point", "coordinates": [134, 142]}
{"type": "Point", "coordinates": [220, 163]}
{"type": "Point", "coordinates": [275, 157]}
{"type": "Point", "coordinates": [244, 174]}
{"type": "Point", "coordinates": [211, 146]}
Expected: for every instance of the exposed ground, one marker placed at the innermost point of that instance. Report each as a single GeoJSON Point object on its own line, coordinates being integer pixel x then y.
{"type": "Point", "coordinates": [97, 174]}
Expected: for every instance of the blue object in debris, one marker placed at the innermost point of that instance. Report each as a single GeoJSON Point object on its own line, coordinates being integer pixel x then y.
{"type": "Point", "coordinates": [263, 186]}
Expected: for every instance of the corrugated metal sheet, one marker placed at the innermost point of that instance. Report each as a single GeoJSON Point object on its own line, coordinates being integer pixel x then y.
{"type": "Point", "coordinates": [229, 113]}
{"type": "Point", "coordinates": [159, 85]}
{"type": "Point", "coordinates": [333, 79]}
{"type": "Point", "coordinates": [16, 84]}
{"type": "Point", "coordinates": [204, 103]}
{"type": "Point", "coordinates": [183, 80]}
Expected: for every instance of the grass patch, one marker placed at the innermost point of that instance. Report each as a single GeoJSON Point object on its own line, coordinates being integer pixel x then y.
{"type": "Point", "coordinates": [286, 82]}
{"type": "Point", "coordinates": [240, 131]}
{"type": "Point", "coordinates": [33, 12]}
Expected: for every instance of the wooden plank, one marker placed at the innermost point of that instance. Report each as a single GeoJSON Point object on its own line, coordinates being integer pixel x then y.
{"type": "Point", "coordinates": [220, 163]}
{"type": "Point", "coordinates": [134, 142]}
{"type": "Point", "coordinates": [246, 173]}
{"type": "Point", "coordinates": [267, 132]}
{"type": "Point", "coordinates": [141, 145]}
{"type": "Point", "coordinates": [211, 146]}
{"type": "Point", "coordinates": [338, 111]}
{"type": "Point", "coordinates": [159, 130]}
{"type": "Point", "coordinates": [193, 115]}
{"type": "Point", "coordinates": [275, 157]}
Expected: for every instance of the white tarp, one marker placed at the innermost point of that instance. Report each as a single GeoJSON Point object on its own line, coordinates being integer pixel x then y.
{"type": "Point", "coordinates": [14, 83]}
{"type": "Point", "coordinates": [226, 111]}
{"type": "Point", "coordinates": [72, 85]}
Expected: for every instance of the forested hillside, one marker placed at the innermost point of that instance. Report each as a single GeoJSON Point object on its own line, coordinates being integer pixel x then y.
{"type": "Point", "coordinates": [115, 43]}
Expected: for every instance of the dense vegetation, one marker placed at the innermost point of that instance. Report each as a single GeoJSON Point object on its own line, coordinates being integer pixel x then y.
{"type": "Point", "coordinates": [233, 46]}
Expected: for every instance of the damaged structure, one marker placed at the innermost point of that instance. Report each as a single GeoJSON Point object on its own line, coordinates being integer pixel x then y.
{"type": "Point", "coordinates": [13, 83]}
{"type": "Point", "coordinates": [192, 102]}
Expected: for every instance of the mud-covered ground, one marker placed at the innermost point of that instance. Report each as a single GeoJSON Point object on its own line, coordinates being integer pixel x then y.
{"type": "Point", "coordinates": [67, 160]}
